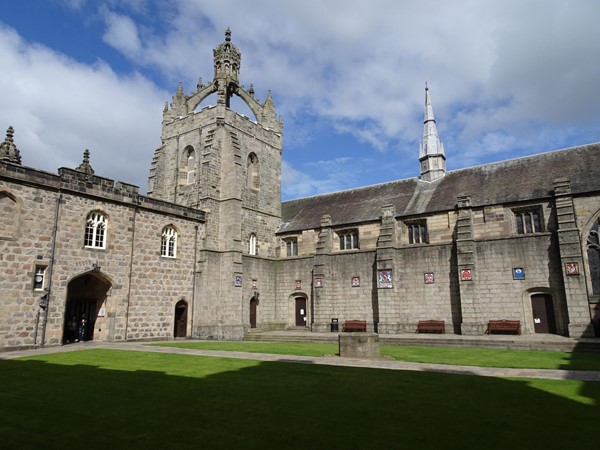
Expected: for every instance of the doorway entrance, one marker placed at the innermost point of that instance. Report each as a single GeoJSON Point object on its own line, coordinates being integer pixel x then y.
{"type": "Point", "coordinates": [85, 295]}
{"type": "Point", "coordinates": [253, 305]}
{"type": "Point", "coordinates": [300, 311]}
{"type": "Point", "coordinates": [180, 328]}
{"type": "Point", "coordinates": [542, 307]}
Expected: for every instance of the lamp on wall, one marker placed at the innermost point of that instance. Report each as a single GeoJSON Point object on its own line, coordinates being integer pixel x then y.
{"type": "Point", "coordinates": [96, 267]}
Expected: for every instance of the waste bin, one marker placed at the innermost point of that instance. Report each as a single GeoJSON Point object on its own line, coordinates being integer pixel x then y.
{"type": "Point", "coordinates": [334, 325]}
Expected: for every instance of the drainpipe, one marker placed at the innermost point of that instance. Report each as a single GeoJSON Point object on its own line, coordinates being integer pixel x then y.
{"type": "Point", "coordinates": [194, 278]}
{"type": "Point", "coordinates": [130, 273]}
{"type": "Point", "coordinates": [50, 267]}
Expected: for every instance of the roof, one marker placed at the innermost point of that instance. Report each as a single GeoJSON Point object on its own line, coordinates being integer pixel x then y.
{"type": "Point", "coordinates": [515, 180]}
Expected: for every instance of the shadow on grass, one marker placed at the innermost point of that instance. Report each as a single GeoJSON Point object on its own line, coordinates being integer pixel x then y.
{"type": "Point", "coordinates": [105, 398]}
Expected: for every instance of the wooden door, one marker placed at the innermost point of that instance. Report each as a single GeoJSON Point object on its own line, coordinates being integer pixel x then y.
{"type": "Point", "coordinates": [543, 313]}
{"type": "Point", "coordinates": [180, 319]}
{"type": "Point", "coordinates": [300, 311]}
{"type": "Point", "coordinates": [253, 303]}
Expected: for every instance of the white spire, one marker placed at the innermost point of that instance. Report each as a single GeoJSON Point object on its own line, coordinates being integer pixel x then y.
{"type": "Point", "coordinates": [431, 155]}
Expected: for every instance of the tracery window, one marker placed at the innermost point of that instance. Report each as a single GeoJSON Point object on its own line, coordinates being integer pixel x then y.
{"type": "Point", "coordinates": [417, 232]}
{"type": "Point", "coordinates": [95, 231]}
{"type": "Point", "coordinates": [348, 239]}
{"type": "Point", "coordinates": [593, 250]}
{"type": "Point", "coordinates": [168, 244]}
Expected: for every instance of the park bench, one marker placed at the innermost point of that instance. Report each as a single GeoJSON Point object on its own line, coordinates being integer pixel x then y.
{"type": "Point", "coordinates": [504, 326]}
{"type": "Point", "coordinates": [355, 325]}
{"type": "Point", "coordinates": [431, 326]}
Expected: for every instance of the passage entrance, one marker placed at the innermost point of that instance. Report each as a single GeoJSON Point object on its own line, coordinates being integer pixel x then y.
{"type": "Point", "coordinates": [543, 313]}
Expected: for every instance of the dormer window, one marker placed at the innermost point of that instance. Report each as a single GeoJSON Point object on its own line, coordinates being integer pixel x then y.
{"type": "Point", "coordinates": [348, 239]}
{"type": "Point", "coordinates": [528, 221]}
{"type": "Point", "coordinates": [417, 232]}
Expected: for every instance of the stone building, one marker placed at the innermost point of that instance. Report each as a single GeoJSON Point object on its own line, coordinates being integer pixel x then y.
{"type": "Point", "coordinates": [211, 252]}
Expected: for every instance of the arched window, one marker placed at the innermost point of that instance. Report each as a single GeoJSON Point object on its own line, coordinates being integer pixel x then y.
{"type": "Point", "coordinates": [253, 181]}
{"type": "Point", "coordinates": [168, 245]}
{"type": "Point", "coordinates": [191, 166]}
{"type": "Point", "coordinates": [95, 230]}
{"type": "Point", "coordinates": [252, 244]}
{"type": "Point", "coordinates": [593, 251]}
{"type": "Point", "coordinates": [187, 167]}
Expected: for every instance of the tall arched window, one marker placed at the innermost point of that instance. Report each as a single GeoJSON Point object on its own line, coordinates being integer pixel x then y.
{"type": "Point", "coordinates": [168, 245]}
{"type": "Point", "coordinates": [95, 230]}
{"type": "Point", "coordinates": [191, 166]}
{"type": "Point", "coordinates": [253, 181]}
{"type": "Point", "coordinates": [187, 166]}
{"type": "Point", "coordinates": [593, 250]}
{"type": "Point", "coordinates": [252, 244]}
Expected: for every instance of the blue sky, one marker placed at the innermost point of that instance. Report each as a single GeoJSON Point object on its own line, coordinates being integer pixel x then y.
{"type": "Point", "coordinates": [507, 79]}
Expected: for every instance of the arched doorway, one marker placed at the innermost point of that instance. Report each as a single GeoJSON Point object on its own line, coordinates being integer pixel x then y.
{"type": "Point", "coordinates": [85, 296]}
{"type": "Point", "coordinates": [253, 305]}
{"type": "Point", "coordinates": [544, 319]}
{"type": "Point", "coordinates": [180, 328]}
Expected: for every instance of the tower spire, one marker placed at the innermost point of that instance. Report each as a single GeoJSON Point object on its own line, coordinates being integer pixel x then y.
{"type": "Point", "coordinates": [431, 155]}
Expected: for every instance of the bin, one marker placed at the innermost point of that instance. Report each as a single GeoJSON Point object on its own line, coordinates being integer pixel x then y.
{"type": "Point", "coordinates": [334, 326]}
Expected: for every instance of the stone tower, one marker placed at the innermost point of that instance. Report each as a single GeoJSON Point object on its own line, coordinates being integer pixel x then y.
{"type": "Point", "coordinates": [431, 156]}
{"type": "Point", "coordinates": [229, 166]}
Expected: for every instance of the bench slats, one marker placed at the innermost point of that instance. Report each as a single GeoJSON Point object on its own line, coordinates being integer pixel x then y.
{"type": "Point", "coordinates": [508, 326]}
{"type": "Point", "coordinates": [431, 326]}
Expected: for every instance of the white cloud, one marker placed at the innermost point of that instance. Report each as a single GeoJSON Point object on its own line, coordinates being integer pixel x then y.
{"type": "Point", "coordinates": [60, 107]}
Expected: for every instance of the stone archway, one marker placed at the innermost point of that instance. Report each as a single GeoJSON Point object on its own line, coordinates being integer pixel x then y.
{"type": "Point", "coordinates": [86, 294]}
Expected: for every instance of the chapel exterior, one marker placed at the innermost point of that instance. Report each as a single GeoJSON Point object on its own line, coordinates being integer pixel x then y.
{"type": "Point", "coordinates": [211, 252]}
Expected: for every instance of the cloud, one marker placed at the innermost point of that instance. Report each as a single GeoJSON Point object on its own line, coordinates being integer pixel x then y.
{"type": "Point", "coordinates": [60, 107]}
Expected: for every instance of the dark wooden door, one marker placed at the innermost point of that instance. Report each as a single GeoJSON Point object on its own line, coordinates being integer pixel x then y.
{"type": "Point", "coordinates": [180, 319]}
{"type": "Point", "coordinates": [543, 313]}
{"type": "Point", "coordinates": [253, 303]}
{"type": "Point", "coordinates": [300, 312]}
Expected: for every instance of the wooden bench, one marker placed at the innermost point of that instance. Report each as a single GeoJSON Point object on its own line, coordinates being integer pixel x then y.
{"type": "Point", "coordinates": [355, 325]}
{"type": "Point", "coordinates": [504, 326]}
{"type": "Point", "coordinates": [431, 326]}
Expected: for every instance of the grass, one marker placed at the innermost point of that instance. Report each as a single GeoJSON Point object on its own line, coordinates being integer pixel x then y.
{"type": "Point", "coordinates": [118, 399]}
{"type": "Point", "coordinates": [436, 355]}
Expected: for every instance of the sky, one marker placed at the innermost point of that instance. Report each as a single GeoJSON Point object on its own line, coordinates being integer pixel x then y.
{"type": "Point", "coordinates": [507, 79]}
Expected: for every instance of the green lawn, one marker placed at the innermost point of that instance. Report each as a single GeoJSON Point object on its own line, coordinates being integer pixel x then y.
{"type": "Point", "coordinates": [438, 355]}
{"type": "Point", "coordinates": [120, 399]}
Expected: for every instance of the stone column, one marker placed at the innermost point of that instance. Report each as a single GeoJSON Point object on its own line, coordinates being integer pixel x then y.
{"type": "Point", "coordinates": [386, 298]}
{"type": "Point", "coordinates": [571, 258]}
{"type": "Point", "coordinates": [322, 283]}
{"type": "Point", "coordinates": [472, 323]}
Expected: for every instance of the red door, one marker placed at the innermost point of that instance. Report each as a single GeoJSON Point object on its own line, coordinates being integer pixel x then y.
{"type": "Point", "coordinates": [300, 311]}
{"type": "Point", "coordinates": [543, 313]}
{"type": "Point", "coordinates": [253, 303]}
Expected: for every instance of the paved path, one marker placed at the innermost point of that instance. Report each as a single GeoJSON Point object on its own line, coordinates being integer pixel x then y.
{"type": "Point", "coordinates": [379, 363]}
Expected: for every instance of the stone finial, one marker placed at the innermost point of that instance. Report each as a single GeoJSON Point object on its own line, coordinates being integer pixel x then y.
{"type": "Point", "coordinates": [463, 201]}
{"type": "Point", "coordinates": [325, 221]}
{"type": "Point", "coordinates": [8, 150]}
{"type": "Point", "coordinates": [85, 166]}
{"type": "Point", "coordinates": [251, 90]}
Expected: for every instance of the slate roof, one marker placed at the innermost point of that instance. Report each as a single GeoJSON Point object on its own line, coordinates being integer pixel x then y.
{"type": "Point", "coordinates": [515, 180]}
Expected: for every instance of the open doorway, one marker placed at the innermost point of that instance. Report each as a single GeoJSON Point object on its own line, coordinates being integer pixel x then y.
{"type": "Point", "coordinates": [85, 296]}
